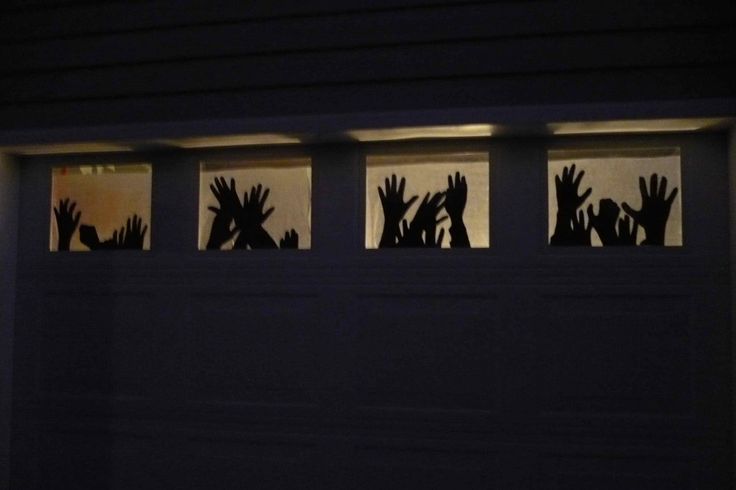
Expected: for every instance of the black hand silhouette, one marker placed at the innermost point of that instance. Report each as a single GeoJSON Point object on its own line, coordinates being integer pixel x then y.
{"type": "Point", "coordinates": [394, 209]}
{"type": "Point", "coordinates": [423, 228]}
{"type": "Point", "coordinates": [604, 222]}
{"type": "Point", "coordinates": [580, 232]}
{"type": "Point", "coordinates": [88, 237]}
{"type": "Point", "coordinates": [66, 223]}
{"type": "Point", "coordinates": [230, 206]}
{"type": "Point", "coordinates": [250, 219]}
{"type": "Point", "coordinates": [456, 197]}
{"type": "Point", "coordinates": [130, 236]}
{"type": "Point", "coordinates": [567, 231]}
{"type": "Point", "coordinates": [568, 200]}
{"type": "Point", "coordinates": [227, 197]}
{"type": "Point", "coordinates": [627, 234]}
{"type": "Point", "coordinates": [134, 234]}
{"type": "Point", "coordinates": [655, 209]}
{"type": "Point", "coordinates": [290, 240]}
{"type": "Point", "coordinates": [220, 231]}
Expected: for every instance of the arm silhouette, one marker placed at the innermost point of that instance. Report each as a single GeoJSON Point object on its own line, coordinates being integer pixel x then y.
{"type": "Point", "coordinates": [394, 209]}
{"type": "Point", "coordinates": [567, 228]}
{"type": "Point", "coordinates": [66, 223]}
{"type": "Point", "coordinates": [655, 209]}
{"type": "Point", "coordinates": [456, 197]}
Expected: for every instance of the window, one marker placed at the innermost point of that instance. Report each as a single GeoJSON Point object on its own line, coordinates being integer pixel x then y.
{"type": "Point", "coordinates": [435, 200]}
{"type": "Point", "coordinates": [255, 204]}
{"type": "Point", "coordinates": [100, 207]}
{"type": "Point", "coordinates": [614, 197]}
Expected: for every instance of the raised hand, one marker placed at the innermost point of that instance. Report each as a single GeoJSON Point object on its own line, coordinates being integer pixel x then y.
{"type": "Point", "coordinates": [456, 197]}
{"type": "Point", "coordinates": [394, 209]}
{"type": "Point", "coordinates": [227, 198]}
{"type": "Point", "coordinates": [580, 232]}
{"type": "Point", "coordinates": [290, 240]}
{"type": "Point", "coordinates": [568, 201]}
{"type": "Point", "coordinates": [422, 232]}
{"type": "Point", "coordinates": [604, 222]}
{"type": "Point", "coordinates": [134, 234]}
{"type": "Point", "coordinates": [250, 219]}
{"type": "Point", "coordinates": [627, 234]}
{"type": "Point", "coordinates": [567, 187]}
{"type": "Point", "coordinates": [88, 237]}
{"type": "Point", "coordinates": [655, 209]}
{"type": "Point", "coordinates": [129, 236]}
{"type": "Point", "coordinates": [66, 223]}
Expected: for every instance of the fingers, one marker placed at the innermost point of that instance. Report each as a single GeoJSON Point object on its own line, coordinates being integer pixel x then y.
{"type": "Point", "coordinates": [578, 179]}
{"type": "Point", "coordinates": [643, 188]}
{"type": "Point", "coordinates": [442, 219]}
{"type": "Point", "coordinates": [591, 216]}
{"type": "Point", "coordinates": [402, 186]}
{"type": "Point", "coordinates": [393, 183]}
{"type": "Point", "coordinates": [631, 212]}
{"type": "Point", "coordinates": [450, 184]}
{"type": "Point", "coordinates": [653, 185]}
{"type": "Point", "coordinates": [381, 195]}
{"type": "Point", "coordinates": [411, 201]}
{"type": "Point", "coordinates": [672, 196]}
{"type": "Point", "coordinates": [585, 194]}
{"type": "Point", "coordinates": [264, 196]}
{"type": "Point", "coordinates": [267, 213]}
{"type": "Point", "coordinates": [440, 237]}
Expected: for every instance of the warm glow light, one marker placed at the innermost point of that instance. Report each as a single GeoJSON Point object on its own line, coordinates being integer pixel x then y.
{"type": "Point", "coordinates": [67, 148]}
{"type": "Point", "coordinates": [634, 126]}
{"type": "Point", "coordinates": [393, 134]}
{"type": "Point", "coordinates": [377, 134]}
{"type": "Point", "coordinates": [232, 140]}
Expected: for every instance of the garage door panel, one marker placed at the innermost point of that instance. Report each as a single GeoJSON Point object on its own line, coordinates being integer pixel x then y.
{"type": "Point", "coordinates": [620, 353]}
{"type": "Point", "coordinates": [255, 347]}
{"type": "Point", "coordinates": [426, 350]}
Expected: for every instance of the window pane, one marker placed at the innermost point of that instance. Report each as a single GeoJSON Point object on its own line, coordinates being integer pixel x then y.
{"type": "Point", "coordinates": [276, 214]}
{"type": "Point", "coordinates": [100, 207]}
{"type": "Point", "coordinates": [424, 176]}
{"type": "Point", "coordinates": [634, 197]}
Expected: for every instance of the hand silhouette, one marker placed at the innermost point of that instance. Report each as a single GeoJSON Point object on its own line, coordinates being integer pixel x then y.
{"type": "Point", "coordinates": [134, 234]}
{"type": "Point", "coordinates": [66, 223]}
{"type": "Point", "coordinates": [655, 209]}
{"type": "Point", "coordinates": [250, 219]}
{"type": "Point", "coordinates": [227, 197]}
{"type": "Point", "coordinates": [604, 222]}
{"type": "Point", "coordinates": [129, 236]}
{"type": "Point", "coordinates": [627, 233]}
{"type": "Point", "coordinates": [568, 200]}
{"type": "Point", "coordinates": [394, 209]}
{"type": "Point", "coordinates": [456, 197]}
{"type": "Point", "coordinates": [290, 240]}
{"type": "Point", "coordinates": [567, 228]}
{"type": "Point", "coordinates": [88, 237]}
{"type": "Point", "coordinates": [580, 232]}
{"type": "Point", "coordinates": [422, 232]}
{"type": "Point", "coordinates": [220, 231]}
